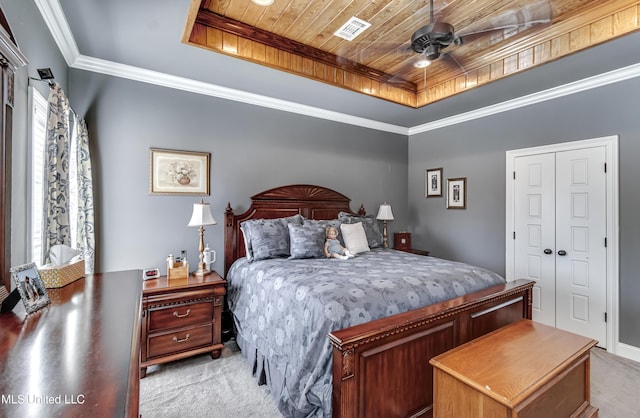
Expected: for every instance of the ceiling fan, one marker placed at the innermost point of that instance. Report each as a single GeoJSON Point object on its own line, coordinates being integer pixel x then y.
{"type": "Point", "coordinates": [429, 41]}
{"type": "Point", "coordinates": [435, 41]}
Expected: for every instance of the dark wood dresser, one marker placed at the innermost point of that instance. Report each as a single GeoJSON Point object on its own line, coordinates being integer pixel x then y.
{"type": "Point", "coordinates": [78, 356]}
{"type": "Point", "coordinates": [181, 318]}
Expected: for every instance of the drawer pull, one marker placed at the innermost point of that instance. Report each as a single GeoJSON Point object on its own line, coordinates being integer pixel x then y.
{"type": "Point", "coordinates": [182, 340]}
{"type": "Point", "coordinates": [177, 315]}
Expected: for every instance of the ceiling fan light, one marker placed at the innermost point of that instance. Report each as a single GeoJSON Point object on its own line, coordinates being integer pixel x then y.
{"type": "Point", "coordinates": [422, 63]}
{"type": "Point", "coordinates": [431, 52]}
{"type": "Point", "coordinates": [263, 2]}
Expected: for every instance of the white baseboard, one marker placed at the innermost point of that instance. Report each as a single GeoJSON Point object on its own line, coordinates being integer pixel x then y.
{"type": "Point", "coordinates": [628, 351]}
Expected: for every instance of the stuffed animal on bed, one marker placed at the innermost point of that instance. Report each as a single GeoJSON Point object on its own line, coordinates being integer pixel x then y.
{"type": "Point", "coordinates": [332, 247]}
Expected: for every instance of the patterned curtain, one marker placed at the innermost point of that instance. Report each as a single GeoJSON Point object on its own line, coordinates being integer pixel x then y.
{"type": "Point", "coordinates": [68, 195]}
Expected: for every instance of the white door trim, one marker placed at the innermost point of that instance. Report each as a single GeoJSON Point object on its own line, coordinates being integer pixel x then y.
{"type": "Point", "coordinates": [613, 275]}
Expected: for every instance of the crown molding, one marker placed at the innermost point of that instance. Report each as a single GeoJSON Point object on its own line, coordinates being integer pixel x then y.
{"type": "Point", "coordinates": [55, 19]}
{"type": "Point", "coordinates": [589, 83]}
{"type": "Point", "coordinates": [193, 86]}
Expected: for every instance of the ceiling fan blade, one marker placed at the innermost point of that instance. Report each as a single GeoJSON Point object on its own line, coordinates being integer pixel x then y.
{"type": "Point", "coordinates": [417, 63]}
{"type": "Point", "coordinates": [364, 52]}
{"type": "Point", "coordinates": [356, 59]}
{"type": "Point", "coordinates": [402, 73]}
{"type": "Point", "coordinates": [468, 38]}
{"type": "Point", "coordinates": [451, 60]}
{"type": "Point", "coordinates": [514, 20]}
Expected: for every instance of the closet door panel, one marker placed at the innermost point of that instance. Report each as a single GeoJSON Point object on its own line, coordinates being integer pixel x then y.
{"type": "Point", "coordinates": [535, 230]}
{"type": "Point", "coordinates": [580, 242]}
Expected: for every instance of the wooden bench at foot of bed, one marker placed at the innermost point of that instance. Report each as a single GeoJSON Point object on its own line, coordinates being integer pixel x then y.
{"type": "Point", "coordinates": [381, 368]}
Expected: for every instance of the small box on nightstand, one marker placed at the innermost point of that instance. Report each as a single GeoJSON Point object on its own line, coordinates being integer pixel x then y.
{"type": "Point", "coordinates": [179, 271]}
{"type": "Point", "coordinates": [402, 240]}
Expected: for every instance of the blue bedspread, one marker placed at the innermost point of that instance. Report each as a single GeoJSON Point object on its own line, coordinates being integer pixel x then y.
{"type": "Point", "coordinates": [283, 310]}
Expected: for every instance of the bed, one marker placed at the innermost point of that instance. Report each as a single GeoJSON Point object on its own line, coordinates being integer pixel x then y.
{"type": "Point", "coordinates": [351, 338]}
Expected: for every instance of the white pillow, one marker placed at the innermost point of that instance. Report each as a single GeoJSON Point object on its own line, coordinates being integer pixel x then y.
{"type": "Point", "coordinates": [355, 238]}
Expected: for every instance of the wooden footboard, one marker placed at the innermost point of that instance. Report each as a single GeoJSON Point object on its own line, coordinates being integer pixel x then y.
{"type": "Point", "coordinates": [381, 368]}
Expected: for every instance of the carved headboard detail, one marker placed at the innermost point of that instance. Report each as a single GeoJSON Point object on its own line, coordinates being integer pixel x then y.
{"type": "Point", "coordinates": [312, 202]}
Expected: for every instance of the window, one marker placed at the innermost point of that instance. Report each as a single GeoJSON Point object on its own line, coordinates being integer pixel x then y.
{"type": "Point", "coordinates": [38, 183]}
{"type": "Point", "coordinates": [38, 141]}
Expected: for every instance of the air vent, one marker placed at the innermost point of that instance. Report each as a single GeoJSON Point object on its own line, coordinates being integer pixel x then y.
{"type": "Point", "coordinates": [352, 28]}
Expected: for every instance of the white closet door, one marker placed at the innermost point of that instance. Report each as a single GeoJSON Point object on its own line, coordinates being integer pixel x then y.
{"type": "Point", "coordinates": [534, 195]}
{"type": "Point", "coordinates": [580, 242]}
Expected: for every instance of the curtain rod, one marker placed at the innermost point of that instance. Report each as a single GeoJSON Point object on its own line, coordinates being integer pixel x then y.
{"type": "Point", "coordinates": [49, 81]}
{"type": "Point", "coordinates": [46, 75]}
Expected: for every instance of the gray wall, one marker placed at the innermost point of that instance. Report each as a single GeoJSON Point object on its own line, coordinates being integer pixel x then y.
{"type": "Point", "coordinates": [252, 149]}
{"type": "Point", "coordinates": [476, 150]}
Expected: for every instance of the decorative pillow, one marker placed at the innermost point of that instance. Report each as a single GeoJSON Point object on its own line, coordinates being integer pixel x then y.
{"type": "Point", "coordinates": [307, 240]}
{"type": "Point", "coordinates": [324, 224]}
{"type": "Point", "coordinates": [267, 238]}
{"type": "Point", "coordinates": [355, 238]}
{"type": "Point", "coordinates": [247, 243]}
{"type": "Point", "coordinates": [370, 224]}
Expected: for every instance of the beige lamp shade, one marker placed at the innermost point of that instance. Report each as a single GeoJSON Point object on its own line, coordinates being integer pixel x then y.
{"type": "Point", "coordinates": [201, 215]}
{"type": "Point", "coordinates": [385, 213]}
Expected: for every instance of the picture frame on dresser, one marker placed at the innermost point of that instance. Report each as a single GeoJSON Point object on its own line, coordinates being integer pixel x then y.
{"type": "Point", "coordinates": [457, 193]}
{"type": "Point", "coordinates": [175, 172]}
{"type": "Point", "coordinates": [29, 284]}
{"type": "Point", "coordinates": [433, 182]}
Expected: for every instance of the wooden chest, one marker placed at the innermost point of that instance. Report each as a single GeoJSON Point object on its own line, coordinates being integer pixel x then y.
{"type": "Point", "coordinates": [523, 370]}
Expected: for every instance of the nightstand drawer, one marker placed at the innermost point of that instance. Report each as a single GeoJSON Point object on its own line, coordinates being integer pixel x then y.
{"type": "Point", "coordinates": [181, 318]}
{"type": "Point", "coordinates": [175, 342]}
{"type": "Point", "coordinates": [180, 315]}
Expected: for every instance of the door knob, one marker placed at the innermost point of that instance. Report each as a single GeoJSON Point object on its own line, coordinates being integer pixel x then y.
{"type": "Point", "coordinates": [562, 252]}
{"type": "Point", "coordinates": [548, 251]}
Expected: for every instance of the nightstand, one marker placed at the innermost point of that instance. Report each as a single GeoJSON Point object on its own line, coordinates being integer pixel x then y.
{"type": "Point", "coordinates": [181, 318]}
{"type": "Point", "coordinates": [414, 251]}
{"type": "Point", "coordinates": [402, 242]}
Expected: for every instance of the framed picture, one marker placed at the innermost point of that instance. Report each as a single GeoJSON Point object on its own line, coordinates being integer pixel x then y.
{"type": "Point", "coordinates": [179, 172]}
{"type": "Point", "coordinates": [32, 291]}
{"type": "Point", "coordinates": [433, 182]}
{"type": "Point", "coordinates": [457, 193]}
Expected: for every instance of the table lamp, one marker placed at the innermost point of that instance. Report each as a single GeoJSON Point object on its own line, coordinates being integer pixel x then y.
{"type": "Point", "coordinates": [200, 217]}
{"type": "Point", "coordinates": [385, 214]}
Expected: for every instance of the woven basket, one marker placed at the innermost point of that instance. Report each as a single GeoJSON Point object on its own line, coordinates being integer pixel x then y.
{"type": "Point", "coordinates": [59, 276]}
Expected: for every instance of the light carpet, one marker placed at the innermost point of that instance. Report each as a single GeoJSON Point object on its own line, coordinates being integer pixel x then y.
{"type": "Point", "coordinates": [615, 385]}
{"type": "Point", "coordinates": [200, 387]}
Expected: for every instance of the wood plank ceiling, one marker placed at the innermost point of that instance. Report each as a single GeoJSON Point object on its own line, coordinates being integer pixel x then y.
{"type": "Point", "coordinates": [298, 36]}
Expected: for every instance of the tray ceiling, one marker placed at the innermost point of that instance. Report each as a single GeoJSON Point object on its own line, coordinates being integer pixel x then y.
{"type": "Point", "coordinates": [504, 37]}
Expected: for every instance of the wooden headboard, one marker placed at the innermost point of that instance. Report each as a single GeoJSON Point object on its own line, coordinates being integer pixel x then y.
{"type": "Point", "coordinates": [312, 202]}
